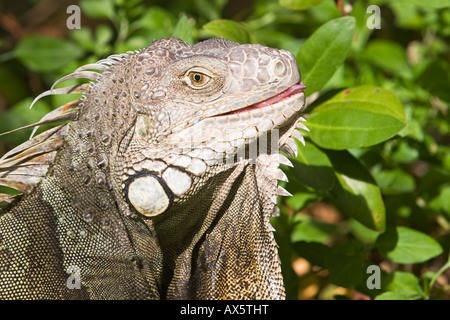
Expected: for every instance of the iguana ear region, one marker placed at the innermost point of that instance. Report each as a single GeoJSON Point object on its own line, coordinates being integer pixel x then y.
{"type": "Point", "coordinates": [152, 193]}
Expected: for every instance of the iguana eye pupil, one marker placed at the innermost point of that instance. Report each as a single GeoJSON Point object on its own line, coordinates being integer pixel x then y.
{"type": "Point", "coordinates": [198, 79]}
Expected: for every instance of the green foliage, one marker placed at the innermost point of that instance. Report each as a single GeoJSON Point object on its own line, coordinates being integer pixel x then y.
{"type": "Point", "coordinates": [324, 51]}
{"type": "Point", "coordinates": [400, 285]}
{"type": "Point", "coordinates": [355, 192]}
{"type": "Point", "coordinates": [357, 117]}
{"type": "Point", "coordinates": [405, 245]}
{"type": "Point", "coordinates": [228, 29]}
{"type": "Point", "coordinates": [45, 54]}
{"type": "Point", "coordinates": [372, 184]}
{"type": "Point", "coordinates": [299, 4]}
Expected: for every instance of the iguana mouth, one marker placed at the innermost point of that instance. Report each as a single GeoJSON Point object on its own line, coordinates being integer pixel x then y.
{"type": "Point", "coordinates": [284, 95]}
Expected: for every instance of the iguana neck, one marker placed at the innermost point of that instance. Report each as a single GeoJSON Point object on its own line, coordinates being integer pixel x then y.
{"type": "Point", "coordinates": [188, 239]}
{"type": "Point", "coordinates": [218, 239]}
{"type": "Point", "coordinates": [93, 235]}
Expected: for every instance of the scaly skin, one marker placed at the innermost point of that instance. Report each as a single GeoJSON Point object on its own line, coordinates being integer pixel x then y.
{"type": "Point", "coordinates": [163, 183]}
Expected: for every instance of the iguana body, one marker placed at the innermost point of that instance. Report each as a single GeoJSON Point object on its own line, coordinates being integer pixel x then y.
{"type": "Point", "coordinates": [154, 190]}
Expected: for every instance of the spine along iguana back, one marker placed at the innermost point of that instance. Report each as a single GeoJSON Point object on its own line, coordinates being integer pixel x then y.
{"type": "Point", "coordinates": [162, 184]}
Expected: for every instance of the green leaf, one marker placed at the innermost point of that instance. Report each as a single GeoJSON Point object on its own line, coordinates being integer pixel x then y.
{"type": "Point", "coordinates": [355, 191]}
{"type": "Point", "coordinates": [300, 200]}
{"type": "Point", "coordinates": [387, 55]}
{"type": "Point", "coordinates": [184, 30]}
{"type": "Point", "coordinates": [311, 231]}
{"type": "Point", "coordinates": [12, 86]}
{"type": "Point", "coordinates": [346, 271]}
{"type": "Point", "coordinates": [356, 117]}
{"type": "Point", "coordinates": [395, 181]}
{"type": "Point", "coordinates": [442, 201]}
{"type": "Point", "coordinates": [405, 153]}
{"type": "Point", "coordinates": [435, 79]}
{"type": "Point", "coordinates": [212, 10]}
{"type": "Point", "coordinates": [324, 51]}
{"type": "Point", "coordinates": [98, 8]}
{"type": "Point", "coordinates": [157, 23]}
{"type": "Point", "coordinates": [405, 245]}
{"type": "Point", "coordinates": [389, 295]}
{"type": "Point", "coordinates": [400, 285]}
{"type": "Point", "coordinates": [299, 4]}
{"type": "Point", "coordinates": [44, 54]}
{"type": "Point", "coordinates": [436, 4]}
{"type": "Point", "coordinates": [346, 264]}
{"type": "Point", "coordinates": [83, 38]}
{"type": "Point", "coordinates": [276, 38]}
{"type": "Point", "coordinates": [228, 29]}
{"type": "Point", "coordinates": [313, 168]}
{"type": "Point", "coordinates": [362, 233]}
{"type": "Point", "coordinates": [316, 253]}
{"type": "Point", "coordinates": [103, 35]}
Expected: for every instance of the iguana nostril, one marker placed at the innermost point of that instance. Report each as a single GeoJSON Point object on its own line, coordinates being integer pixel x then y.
{"type": "Point", "coordinates": [280, 69]}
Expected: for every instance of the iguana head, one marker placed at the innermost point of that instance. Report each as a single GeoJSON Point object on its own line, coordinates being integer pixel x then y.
{"type": "Point", "coordinates": [198, 107]}
{"type": "Point", "coordinates": [160, 119]}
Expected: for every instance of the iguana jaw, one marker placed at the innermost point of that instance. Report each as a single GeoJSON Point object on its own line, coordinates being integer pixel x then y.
{"type": "Point", "coordinates": [281, 112]}
{"type": "Point", "coordinates": [292, 92]}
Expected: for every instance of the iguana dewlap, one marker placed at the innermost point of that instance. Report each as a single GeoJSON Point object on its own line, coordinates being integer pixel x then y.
{"type": "Point", "coordinates": [162, 184]}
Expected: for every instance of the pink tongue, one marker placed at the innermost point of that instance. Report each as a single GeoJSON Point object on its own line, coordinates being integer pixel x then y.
{"type": "Point", "coordinates": [296, 88]}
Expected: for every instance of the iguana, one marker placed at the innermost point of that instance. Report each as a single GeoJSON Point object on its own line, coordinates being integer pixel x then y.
{"type": "Point", "coordinates": [162, 184]}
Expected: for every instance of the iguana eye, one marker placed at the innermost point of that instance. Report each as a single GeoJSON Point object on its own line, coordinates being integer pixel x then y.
{"type": "Point", "coordinates": [197, 79]}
